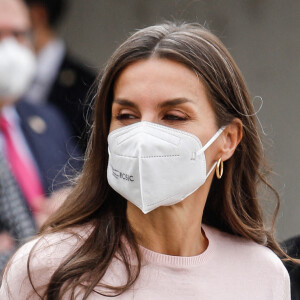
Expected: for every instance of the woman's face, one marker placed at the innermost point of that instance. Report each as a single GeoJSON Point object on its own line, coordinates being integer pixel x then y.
{"type": "Point", "coordinates": [168, 93]}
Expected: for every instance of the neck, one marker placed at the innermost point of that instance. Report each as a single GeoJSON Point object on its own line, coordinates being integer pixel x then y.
{"type": "Point", "coordinates": [172, 230]}
{"type": "Point", "coordinates": [5, 102]}
{"type": "Point", "coordinates": [43, 36]}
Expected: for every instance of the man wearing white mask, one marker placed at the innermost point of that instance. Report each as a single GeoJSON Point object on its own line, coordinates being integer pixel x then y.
{"type": "Point", "coordinates": [33, 139]}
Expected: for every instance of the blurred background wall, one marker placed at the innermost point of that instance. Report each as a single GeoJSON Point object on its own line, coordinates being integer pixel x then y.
{"type": "Point", "coordinates": [262, 35]}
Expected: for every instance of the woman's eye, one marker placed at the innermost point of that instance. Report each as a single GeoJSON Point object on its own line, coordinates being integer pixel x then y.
{"type": "Point", "coordinates": [125, 117]}
{"type": "Point", "coordinates": [174, 118]}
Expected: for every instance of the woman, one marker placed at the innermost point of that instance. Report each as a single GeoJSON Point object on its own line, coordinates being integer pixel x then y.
{"type": "Point", "coordinates": [135, 226]}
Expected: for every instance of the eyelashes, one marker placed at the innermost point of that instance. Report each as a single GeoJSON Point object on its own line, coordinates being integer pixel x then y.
{"type": "Point", "coordinates": [167, 117]}
{"type": "Point", "coordinates": [171, 117]}
{"type": "Point", "coordinates": [121, 117]}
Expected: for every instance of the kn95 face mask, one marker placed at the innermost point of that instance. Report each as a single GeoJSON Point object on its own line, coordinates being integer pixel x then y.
{"type": "Point", "coordinates": [152, 165]}
{"type": "Point", "coordinates": [17, 68]}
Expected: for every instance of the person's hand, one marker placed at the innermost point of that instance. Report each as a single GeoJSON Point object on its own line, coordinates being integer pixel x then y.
{"type": "Point", "coordinates": [6, 242]}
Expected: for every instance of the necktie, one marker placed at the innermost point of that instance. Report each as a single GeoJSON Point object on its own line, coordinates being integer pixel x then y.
{"type": "Point", "coordinates": [23, 169]}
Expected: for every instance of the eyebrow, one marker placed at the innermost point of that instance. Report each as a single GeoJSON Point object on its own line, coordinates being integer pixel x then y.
{"type": "Point", "coordinates": [125, 102]}
{"type": "Point", "coordinates": [172, 102]}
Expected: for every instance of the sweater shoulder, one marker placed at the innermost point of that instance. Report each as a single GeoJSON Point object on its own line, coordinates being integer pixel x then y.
{"type": "Point", "coordinates": [246, 251]}
{"type": "Point", "coordinates": [35, 262]}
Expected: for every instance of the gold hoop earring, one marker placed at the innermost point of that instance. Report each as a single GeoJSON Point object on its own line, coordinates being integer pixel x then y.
{"type": "Point", "coordinates": [219, 169]}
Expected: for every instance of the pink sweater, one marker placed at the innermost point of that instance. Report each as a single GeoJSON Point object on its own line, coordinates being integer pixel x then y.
{"type": "Point", "coordinates": [231, 268]}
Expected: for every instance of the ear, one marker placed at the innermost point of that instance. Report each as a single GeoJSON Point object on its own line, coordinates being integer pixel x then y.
{"type": "Point", "coordinates": [232, 136]}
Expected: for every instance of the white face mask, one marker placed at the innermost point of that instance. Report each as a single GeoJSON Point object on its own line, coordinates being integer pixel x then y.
{"type": "Point", "coordinates": [17, 68]}
{"type": "Point", "coordinates": [153, 165]}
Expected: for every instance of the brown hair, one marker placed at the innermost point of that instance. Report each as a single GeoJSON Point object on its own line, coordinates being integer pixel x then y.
{"type": "Point", "coordinates": [232, 205]}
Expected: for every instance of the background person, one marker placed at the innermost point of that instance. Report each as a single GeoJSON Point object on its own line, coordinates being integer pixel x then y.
{"type": "Point", "coordinates": [61, 78]}
{"type": "Point", "coordinates": [35, 142]}
{"type": "Point", "coordinates": [162, 225]}
{"type": "Point", "coordinates": [293, 249]}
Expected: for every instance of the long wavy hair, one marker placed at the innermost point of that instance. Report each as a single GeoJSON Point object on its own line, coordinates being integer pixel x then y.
{"type": "Point", "coordinates": [232, 206]}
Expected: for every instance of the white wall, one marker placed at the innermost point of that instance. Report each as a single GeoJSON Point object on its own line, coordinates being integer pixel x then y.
{"type": "Point", "coordinates": [262, 35]}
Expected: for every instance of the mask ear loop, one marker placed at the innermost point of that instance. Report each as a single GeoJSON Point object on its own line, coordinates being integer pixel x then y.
{"type": "Point", "coordinates": [214, 137]}
{"type": "Point", "coordinates": [211, 169]}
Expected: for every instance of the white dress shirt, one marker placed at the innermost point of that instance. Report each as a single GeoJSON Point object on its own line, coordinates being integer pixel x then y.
{"type": "Point", "coordinates": [49, 61]}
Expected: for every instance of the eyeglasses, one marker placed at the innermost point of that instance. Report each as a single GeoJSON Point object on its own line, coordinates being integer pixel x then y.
{"type": "Point", "coordinates": [20, 35]}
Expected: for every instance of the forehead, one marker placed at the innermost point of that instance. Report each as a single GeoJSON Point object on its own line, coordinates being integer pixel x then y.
{"type": "Point", "coordinates": [158, 78]}
{"type": "Point", "coordinates": [13, 15]}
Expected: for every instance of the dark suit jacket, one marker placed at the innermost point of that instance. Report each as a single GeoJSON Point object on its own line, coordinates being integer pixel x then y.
{"type": "Point", "coordinates": [72, 93]}
{"type": "Point", "coordinates": [51, 142]}
{"type": "Point", "coordinates": [52, 146]}
{"type": "Point", "coordinates": [293, 249]}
